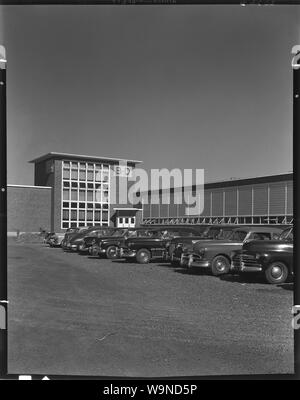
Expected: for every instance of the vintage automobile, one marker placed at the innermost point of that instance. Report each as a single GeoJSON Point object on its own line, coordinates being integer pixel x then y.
{"type": "Point", "coordinates": [110, 246]}
{"type": "Point", "coordinates": [215, 254]}
{"type": "Point", "coordinates": [56, 239]}
{"type": "Point", "coordinates": [91, 238]}
{"type": "Point", "coordinates": [155, 245]}
{"type": "Point", "coordinates": [273, 258]}
{"type": "Point", "coordinates": [75, 241]}
{"type": "Point", "coordinates": [181, 245]}
{"type": "Point", "coordinates": [70, 232]}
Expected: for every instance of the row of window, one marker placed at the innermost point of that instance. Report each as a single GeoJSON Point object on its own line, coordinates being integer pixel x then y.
{"type": "Point", "coordinates": [83, 185]}
{"type": "Point", "coordinates": [83, 175]}
{"type": "Point", "coordinates": [76, 224]}
{"type": "Point", "coordinates": [84, 215]}
{"type": "Point", "coordinates": [83, 165]}
{"type": "Point", "coordinates": [67, 204]}
{"type": "Point", "coordinates": [85, 195]}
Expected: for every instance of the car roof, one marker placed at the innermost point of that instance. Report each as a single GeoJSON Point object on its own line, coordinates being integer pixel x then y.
{"type": "Point", "coordinates": [259, 229]}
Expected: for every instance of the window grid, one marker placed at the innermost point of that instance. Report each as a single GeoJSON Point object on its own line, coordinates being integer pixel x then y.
{"type": "Point", "coordinates": [94, 206]}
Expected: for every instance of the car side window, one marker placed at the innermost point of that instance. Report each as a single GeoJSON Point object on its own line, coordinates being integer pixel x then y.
{"type": "Point", "coordinates": [259, 236]}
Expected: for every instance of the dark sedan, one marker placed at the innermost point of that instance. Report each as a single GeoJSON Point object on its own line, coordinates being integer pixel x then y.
{"type": "Point", "coordinates": [273, 258]}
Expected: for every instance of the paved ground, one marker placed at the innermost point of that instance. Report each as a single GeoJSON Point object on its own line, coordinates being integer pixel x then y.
{"type": "Point", "coordinates": [71, 314]}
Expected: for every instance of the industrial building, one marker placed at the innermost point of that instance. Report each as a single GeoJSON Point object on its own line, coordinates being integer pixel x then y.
{"type": "Point", "coordinates": [260, 200]}
{"type": "Point", "coordinates": [76, 190]}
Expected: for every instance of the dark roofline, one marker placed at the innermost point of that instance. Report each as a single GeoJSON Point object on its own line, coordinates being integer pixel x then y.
{"type": "Point", "coordinates": [61, 156]}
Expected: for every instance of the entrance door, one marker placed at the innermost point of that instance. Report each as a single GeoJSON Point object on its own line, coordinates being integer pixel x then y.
{"type": "Point", "coordinates": [125, 222]}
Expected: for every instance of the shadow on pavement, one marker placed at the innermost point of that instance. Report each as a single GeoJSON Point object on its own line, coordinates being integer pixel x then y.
{"type": "Point", "coordinates": [287, 286]}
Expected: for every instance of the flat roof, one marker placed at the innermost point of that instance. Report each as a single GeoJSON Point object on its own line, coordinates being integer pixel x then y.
{"type": "Point", "coordinates": [56, 155]}
{"type": "Point", "coordinates": [29, 186]}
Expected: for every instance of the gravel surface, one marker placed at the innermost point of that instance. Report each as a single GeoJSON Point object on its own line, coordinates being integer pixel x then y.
{"type": "Point", "coordinates": [72, 314]}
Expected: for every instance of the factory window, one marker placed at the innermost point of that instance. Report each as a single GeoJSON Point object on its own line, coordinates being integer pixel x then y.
{"type": "Point", "coordinates": [87, 195]}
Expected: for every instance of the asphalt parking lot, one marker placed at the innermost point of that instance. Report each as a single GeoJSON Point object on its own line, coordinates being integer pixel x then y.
{"type": "Point", "coordinates": [72, 314]}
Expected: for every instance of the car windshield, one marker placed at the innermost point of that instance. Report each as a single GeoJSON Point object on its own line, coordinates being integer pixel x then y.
{"type": "Point", "coordinates": [119, 232]}
{"type": "Point", "coordinates": [238, 236]}
{"type": "Point", "coordinates": [287, 234]}
{"type": "Point", "coordinates": [224, 234]}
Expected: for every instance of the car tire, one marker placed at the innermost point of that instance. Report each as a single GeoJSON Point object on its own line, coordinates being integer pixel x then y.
{"type": "Point", "coordinates": [143, 256]}
{"type": "Point", "coordinates": [220, 265]}
{"type": "Point", "coordinates": [112, 252]}
{"type": "Point", "coordinates": [276, 273]}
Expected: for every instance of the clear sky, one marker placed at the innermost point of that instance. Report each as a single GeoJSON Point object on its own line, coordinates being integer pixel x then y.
{"type": "Point", "coordinates": [175, 86]}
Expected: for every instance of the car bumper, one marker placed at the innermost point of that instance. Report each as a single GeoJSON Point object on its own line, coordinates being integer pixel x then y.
{"type": "Point", "coordinates": [245, 268]}
{"type": "Point", "coordinates": [193, 261]}
{"type": "Point", "coordinates": [127, 253]}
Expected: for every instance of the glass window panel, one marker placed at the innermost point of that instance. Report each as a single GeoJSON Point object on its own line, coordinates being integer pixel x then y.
{"type": "Point", "coordinates": [104, 216]}
{"type": "Point", "coordinates": [90, 205]}
{"type": "Point", "coordinates": [90, 175]}
{"type": "Point", "coordinates": [74, 195]}
{"type": "Point", "coordinates": [74, 174]}
{"type": "Point", "coordinates": [75, 165]}
{"type": "Point", "coordinates": [82, 175]}
{"type": "Point", "coordinates": [82, 165]}
{"type": "Point", "coordinates": [81, 224]}
{"type": "Point", "coordinates": [89, 215]}
{"type": "Point", "coordinates": [81, 205]}
{"type": "Point", "coordinates": [97, 205]}
{"type": "Point", "coordinates": [66, 184]}
{"type": "Point", "coordinates": [66, 214]}
{"type": "Point", "coordinates": [81, 215]}
{"type": "Point", "coordinates": [66, 204]}
{"type": "Point", "coordinates": [97, 215]}
{"type": "Point", "coordinates": [66, 164]}
{"type": "Point", "coordinates": [132, 220]}
{"type": "Point", "coordinates": [66, 173]}
{"type": "Point", "coordinates": [105, 206]}
{"type": "Point", "coordinates": [74, 184]}
{"type": "Point", "coordinates": [73, 205]}
{"type": "Point", "coordinates": [66, 194]}
{"type": "Point", "coordinates": [97, 195]}
{"type": "Point", "coordinates": [98, 176]}
{"type": "Point", "coordinates": [65, 224]}
{"type": "Point", "coordinates": [73, 224]}
{"type": "Point", "coordinates": [82, 185]}
{"type": "Point", "coordinates": [82, 195]}
{"type": "Point", "coordinates": [126, 220]}
{"type": "Point", "coordinates": [89, 195]}
{"type": "Point", "coordinates": [105, 176]}
{"type": "Point", "coordinates": [90, 165]}
{"type": "Point", "coordinates": [90, 186]}
{"type": "Point", "coordinates": [73, 215]}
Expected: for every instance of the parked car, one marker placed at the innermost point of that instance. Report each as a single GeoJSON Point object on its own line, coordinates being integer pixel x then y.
{"type": "Point", "coordinates": [111, 246]}
{"type": "Point", "coordinates": [76, 240]}
{"type": "Point", "coordinates": [92, 237]}
{"type": "Point", "coordinates": [273, 258]}
{"type": "Point", "coordinates": [181, 245]}
{"type": "Point", "coordinates": [71, 232]}
{"type": "Point", "coordinates": [155, 245]}
{"type": "Point", "coordinates": [56, 239]}
{"type": "Point", "coordinates": [215, 254]}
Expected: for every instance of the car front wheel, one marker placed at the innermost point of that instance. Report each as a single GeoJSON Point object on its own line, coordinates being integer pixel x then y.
{"type": "Point", "coordinates": [276, 273]}
{"type": "Point", "coordinates": [143, 256]}
{"type": "Point", "coordinates": [112, 252]}
{"type": "Point", "coordinates": [220, 265]}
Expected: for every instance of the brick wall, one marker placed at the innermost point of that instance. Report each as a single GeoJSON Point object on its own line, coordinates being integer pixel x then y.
{"type": "Point", "coordinates": [28, 208]}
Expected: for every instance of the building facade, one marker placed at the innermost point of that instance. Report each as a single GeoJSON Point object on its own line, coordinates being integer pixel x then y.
{"type": "Point", "coordinates": [85, 189]}
{"type": "Point", "coordinates": [260, 200]}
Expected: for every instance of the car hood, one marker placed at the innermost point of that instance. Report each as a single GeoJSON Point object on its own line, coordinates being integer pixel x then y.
{"type": "Point", "coordinates": [267, 245]}
{"type": "Point", "coordinates": [213, 243]}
